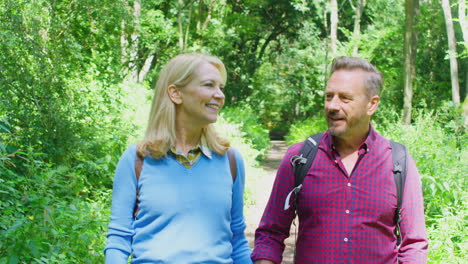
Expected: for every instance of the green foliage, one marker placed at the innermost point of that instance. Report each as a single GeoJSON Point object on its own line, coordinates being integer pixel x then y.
{"type": "Point", "coordinates": [291, 85]}
{"type": "Point", "coordinates": [57, 76]}
{"type": "Point", "coordinates": [48, 214]}
{"type": "Point", "coordinates": [300, 130]}
{"type": "Point", "coordinates": [66, 113]}
{"type": "Point", "coordinates": [242, 142]}
{"type": "Point", "coordinates": [249, 123]}
{"type": "Point", "coordinates": [440, 155]}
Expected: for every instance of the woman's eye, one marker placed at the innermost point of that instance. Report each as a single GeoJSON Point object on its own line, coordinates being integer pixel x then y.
{"type": "Point", "coordinates": [209, 84]}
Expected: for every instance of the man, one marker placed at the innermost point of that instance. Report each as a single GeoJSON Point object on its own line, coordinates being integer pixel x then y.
{"type": "Point", "coordinates": [347, 203]}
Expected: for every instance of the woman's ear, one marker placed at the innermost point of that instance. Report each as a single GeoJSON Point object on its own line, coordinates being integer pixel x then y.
{"type": "Point", "coordinates": [174, 94]}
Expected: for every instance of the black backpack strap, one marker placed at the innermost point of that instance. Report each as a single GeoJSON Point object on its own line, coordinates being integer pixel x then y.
{"type": "Point", "coordinates": [400, 167]}
{"type": "Point", "coordinates": [301, 164]}
{"type": "Point", "coordinates": [232, 163]}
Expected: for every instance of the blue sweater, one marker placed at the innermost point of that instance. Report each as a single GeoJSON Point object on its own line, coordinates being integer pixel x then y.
{"type": "Point", "coordinates": [185, 215]}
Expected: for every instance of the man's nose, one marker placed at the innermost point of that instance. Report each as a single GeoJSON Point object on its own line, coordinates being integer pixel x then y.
{"type": "Point", "coordinates": [333, 104]}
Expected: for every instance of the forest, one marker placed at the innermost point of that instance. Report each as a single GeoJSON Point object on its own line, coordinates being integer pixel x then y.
{"type": "Point", "coordinates": [76, 79]}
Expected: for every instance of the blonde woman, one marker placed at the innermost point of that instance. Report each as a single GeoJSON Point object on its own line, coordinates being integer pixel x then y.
{"type": "Point", "coordinates": [189, 207]}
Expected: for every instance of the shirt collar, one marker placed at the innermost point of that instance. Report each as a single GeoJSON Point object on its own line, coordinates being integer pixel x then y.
{"type": "Point", "coordinates": [202, 146]}
{"type": "Point", "coordinates": [366, 146]}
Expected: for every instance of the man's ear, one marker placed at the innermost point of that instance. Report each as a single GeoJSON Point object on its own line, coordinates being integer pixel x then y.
{"type": "Point", "coordinates": [373, 105]}
{"type": "Point", "coordinates": [174, 94]}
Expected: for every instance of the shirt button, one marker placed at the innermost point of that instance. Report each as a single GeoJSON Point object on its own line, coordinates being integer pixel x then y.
{"type": "Point", "coordinates": [347, 211]}
{"type": "Point", "coordinates": [349, 184]}
{"type": "Point", "coordinates": [345, 239]}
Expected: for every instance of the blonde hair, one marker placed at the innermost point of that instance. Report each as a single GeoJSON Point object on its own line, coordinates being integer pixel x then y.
{"type": "Point", "coordinates": [160, 133]}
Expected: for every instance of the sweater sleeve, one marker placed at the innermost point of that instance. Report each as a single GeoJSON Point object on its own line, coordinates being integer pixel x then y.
{"type": "Point", "coordinates": [240, 247]}
{"type": "Point", "coordinates": [276, 222]}
{"type": "Point", "coordinates": [413, 248]}
{"type": "Point", "coordinates": [120, 232]}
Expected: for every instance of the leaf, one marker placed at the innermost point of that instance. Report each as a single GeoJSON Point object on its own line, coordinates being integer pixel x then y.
{"type": "Point", "coordinates": [13, 259]}
{"type": "Point", "coordinates": [17, 224]}
{"type": "Point", "coordinates": [2, 127]}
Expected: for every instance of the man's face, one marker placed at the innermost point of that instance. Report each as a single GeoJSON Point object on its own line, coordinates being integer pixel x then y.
{"type": "Point", "coordinates": [347, 107]}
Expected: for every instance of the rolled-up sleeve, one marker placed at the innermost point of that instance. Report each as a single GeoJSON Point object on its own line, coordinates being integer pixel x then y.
{"type": "Point", "coordinates": [275, 223]}
{"type": "Point", "coordinates": [414, 244]}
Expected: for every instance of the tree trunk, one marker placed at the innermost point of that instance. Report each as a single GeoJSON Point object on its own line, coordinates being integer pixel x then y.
{"type": "Point", "coordinates": [145, 69]}
{"type": "Point", "coordinates": [463, 22]}
{"type": "Point", "coordinates": [208, 16]}
{"type": "Point", "coordinates": [452, 52]}
{"type": "Point", "coordinates": [179, 22]}
{"type": "Point", "coordinates": [464, 28]}
{"type": "Point", "coordinates": [357, 26]}
{"type": "Point", "coordinates": [409, 50]}
{"type": "Point", "coordinates": [199, 15]}
{"type": "Point", "coordinates": [135, 39]}
{"type": "Point", "coordinates": [124, 47]}
{"type": "Point", "coordinates": [333, 25]}
{"type": "Point", "coordinates": [187, 28]}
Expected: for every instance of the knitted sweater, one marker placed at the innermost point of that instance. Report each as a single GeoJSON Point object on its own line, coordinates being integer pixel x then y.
{"type": "Point", "coordinates": [185, 215]}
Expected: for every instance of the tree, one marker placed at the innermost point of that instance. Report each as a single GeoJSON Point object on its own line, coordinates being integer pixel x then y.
{"type": "Point", "coordinates": [135, 38]}
{"type": "Point", "coordinates": [357, 25]}
{"type": "Point", "coordinates": [464, 28]}
{"type": "Point", "coordinates": [409, 67]}
{"type": "Point", "coordinates": [333, 26]}
{"type": "Point", "coordinates": [452, 52]}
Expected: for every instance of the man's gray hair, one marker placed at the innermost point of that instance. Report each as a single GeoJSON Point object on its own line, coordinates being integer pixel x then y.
{"type": "Point", "coordinates": [374, 81]}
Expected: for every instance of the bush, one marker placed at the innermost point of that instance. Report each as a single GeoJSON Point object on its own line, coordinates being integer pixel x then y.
{"type": "Point", "coordinates": [50, 215]}
{"type": "Point", "coordinates": [244, 145]}
{"type": "Point", "coordinates": [251, 126]}
{"type": "Point", "coordinates": [300, 130]}
{"type": "Point", "coordinates": [440, 155]}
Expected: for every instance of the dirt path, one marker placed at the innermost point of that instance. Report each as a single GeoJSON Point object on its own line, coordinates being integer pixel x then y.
{"type": "Point", "coordinates": [261, 191]}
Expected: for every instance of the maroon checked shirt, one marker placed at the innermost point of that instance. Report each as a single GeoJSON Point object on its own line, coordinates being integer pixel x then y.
{"type": "Point", "coordinates": [345, 218]}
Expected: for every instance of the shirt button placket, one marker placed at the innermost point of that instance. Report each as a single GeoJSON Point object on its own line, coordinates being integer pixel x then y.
{"type": "Point", "coordinates": [347, 211]}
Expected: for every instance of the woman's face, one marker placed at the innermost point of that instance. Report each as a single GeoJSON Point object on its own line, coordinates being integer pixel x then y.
{"type": "Point", "coordinates": [202, 98]}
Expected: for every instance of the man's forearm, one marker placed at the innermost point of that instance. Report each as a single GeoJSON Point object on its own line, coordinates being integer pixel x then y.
{"type": "Point", "coordinates": [264, 261]}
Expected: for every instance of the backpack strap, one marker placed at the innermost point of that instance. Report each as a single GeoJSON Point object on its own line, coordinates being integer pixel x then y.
{"type": "Point", "coordinates": [138, 167]}
{"type": "Point", "coordinates": [301, 164]}
{"type": "Point", "coordinates": [232, 163]}
{"type": "Point", "coordinates": [400, 167]}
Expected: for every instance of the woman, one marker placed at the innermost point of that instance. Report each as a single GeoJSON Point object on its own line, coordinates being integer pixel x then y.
{"type": "Point", "coordinates": [190, 207]}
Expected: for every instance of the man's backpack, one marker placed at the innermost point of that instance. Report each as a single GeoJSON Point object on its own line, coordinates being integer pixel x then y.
{"type": "Point", "coordinates": [302, 162]}
{"type": "Point", "coordinates": [139, 165]}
